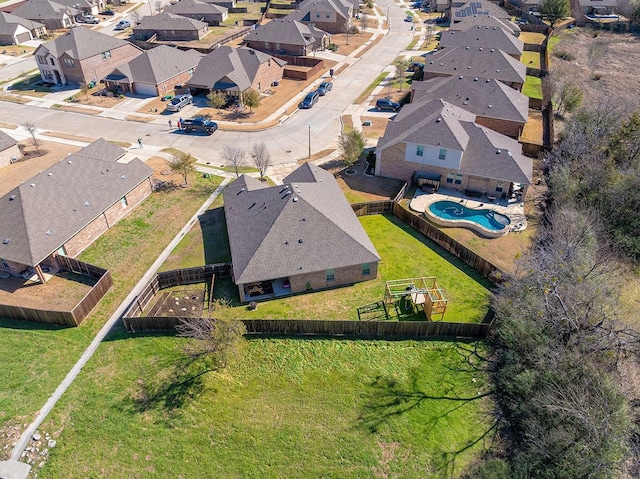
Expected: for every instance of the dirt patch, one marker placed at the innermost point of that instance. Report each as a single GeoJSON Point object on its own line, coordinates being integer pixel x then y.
{"type": "Point", "coordinates": [354, 42]}
{"type": "Point", "coordinates": [533, 129]}
{"type": "Point", "coordinates": [77, 109]}
{"type": "Point", "coordinates": [141, 119]}
{"type": "Point", "coordinates": [358, 187]}
{"type": "Point", "coordinates": [377, 128]}
{"type": "Point", "coordinates": [98, 96]}
{"type": "Point", "coordinates": [186, 302]}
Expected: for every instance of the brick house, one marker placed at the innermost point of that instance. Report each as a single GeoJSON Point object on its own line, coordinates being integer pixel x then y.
{"type": "Point", "coordinates": [9, 150]}
{"type": "Point", "coordinates": [15, 30]}
{"type": "Point", "coordinates": [299, 236]}
{"type": "Point", "coordinates": [235, 70]}
{"type": "Point", "coordinates": [66, 207]}
{"type": "Point", "coordinates": [170, 27]}
{"type": "Point", "coordinates": [81, 56]}
{"type": "Point", "coordinates": [447, 144]}
{"type": "Point", "coordinates": [478, 63]}
{"type": "Point", "coordinates": [495, 105]}
{"type": "Point", "coordinates": [333, 16]}
{"type": "Point", "coordinates": [199, 10]}
{"type": "Point", "coordinates": [483, 36]}
{"type": "Point", "coordinates": [53, 15]}
{"type": "Point", "coordinates": [155, 72]}
{"type": "Point", "coordinates": [287, 37]}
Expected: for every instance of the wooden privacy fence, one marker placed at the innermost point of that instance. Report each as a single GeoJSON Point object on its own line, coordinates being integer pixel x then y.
{"type": "Point", "coordinates": [315, 327]}
{"type": "Point", "coordinates": [372, 208]}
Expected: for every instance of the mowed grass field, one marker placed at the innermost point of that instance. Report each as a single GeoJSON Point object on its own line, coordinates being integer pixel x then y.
{"type": "Point", "coordinates": [287, 408]}
{"type": "Point", "coordinates": [37, 357]}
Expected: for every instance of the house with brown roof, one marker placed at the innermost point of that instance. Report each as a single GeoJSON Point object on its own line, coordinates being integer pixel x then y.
{"type": "Point", "coordinates": [446, 144]}
{"type": "Point", "coordinates": [296, 237]}
{"type": "Point", "coordinates": [53, 15]}
{"type": "Point", "coordinates": [333, 16]}
{"type": "Point", "coordinates": [495, 105]}
{"type": "Point", "coordinates": [483, 36]}
{"type": "Point", "coordinates": [155, 72]}
{"type": "Point", "coordinates": [81, 56]}
{"type": "Point", "coordinates": [170, 27]}
{"type": "Point", "coordinates": [477, 62]}
{"type": "Point", "coordinates": [15, 30]}
{"type": "Point", "coordinates": [63, 209]}
{"type": "Point", "coordinates": [233, 71]}
{"type": "Point", "coordinates": [486, 21]}
{"type": "Point", "coordinates": [199, 10]}
{"type": "Point", "coordinates": [287, 36]}
{"type": "Point", "coordinates": [9, 150]}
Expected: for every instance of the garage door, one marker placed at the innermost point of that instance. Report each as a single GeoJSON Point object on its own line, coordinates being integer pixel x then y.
{"type": "Point", "coordinates": [146, 89]}
{"type": "Point", "coordinates": [24, 37]}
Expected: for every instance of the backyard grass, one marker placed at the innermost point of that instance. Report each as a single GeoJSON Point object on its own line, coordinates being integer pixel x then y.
{"type": "Point", "coordinates": [303, 408]}
{"type": "Point", "coordinates": [532, 87]}
{"type": "Point", "coordinates": [531, 59]}
{"type": "Point", "coordinates": [37, 357]}
{"type": "Point", "coordinates": [532, 37]}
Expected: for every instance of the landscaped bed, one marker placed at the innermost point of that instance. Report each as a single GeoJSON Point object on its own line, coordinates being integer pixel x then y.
{"type": "Point", "coordinates": [286, 408]}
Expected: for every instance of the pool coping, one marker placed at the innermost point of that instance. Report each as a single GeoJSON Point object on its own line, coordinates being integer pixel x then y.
{"type": "Point", "coordinates": [472, 225]}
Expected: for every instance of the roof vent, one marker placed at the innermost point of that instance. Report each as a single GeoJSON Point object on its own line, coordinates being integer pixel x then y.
{"type": "Point", "coordinates": [441, 64]}
{"type": "Point", "coordinates": [431, 62]}
{"type": "Point", "coordinates": [69, 161]}
{"type": "Point", "coordinates": [468, 67]}
{"type": "Point", "coordinates": [480, 48]}
{"type": "Point", "coordinates": [438, 120]}
{"type": "Point", "coordinates": [460, 77]}
{"type": "Point", "coordinates": [475, 79]}
{"type": "Point", "coordinates": [300, 241]}
{"type": "Point", "coordinates": [295, 199]}
{"type": "Point", "coordinates": [490, 106]}
{"type": "Point", "coordinates": [124, 177]}
{"type": "Point", "coordinates": [509, 153]}
{"type": "Point", "coordinates": [86, 203]}
{"type": "Point", "coordinates": [49, 174]}
{"type": "Point", "coordinates": [5, 241]}
{"type": "Point", "coordinates": [492, 50]}
{"type": "Point", "coordinates": [12, 197]}
{"type": "Point", "coordinates": [497, 152]}
{"type": "Point", "coordinates": [488, 80]}
{"type": "Point", "coordinates": [48, 232]}
{"type": "Point", "coordinates": [32, 185]}
{"type": "Point", "coordinates": [497, 71]}
{"type": "Point", "coordinates": [466, 48]}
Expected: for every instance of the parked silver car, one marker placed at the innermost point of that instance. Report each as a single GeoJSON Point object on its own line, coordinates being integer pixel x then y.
{"type": "Point", "coordinates": [179, 102]}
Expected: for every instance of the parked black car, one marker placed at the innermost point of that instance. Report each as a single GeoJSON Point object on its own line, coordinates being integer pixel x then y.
{"type": "Point", "coordinates": [310, 100]}
{"type": "Point", "coordinates": [324, 88]}
{"type": "Point", "coordinates": [387, 104]}
{"type": "Point", "coordinates": [199, 124]}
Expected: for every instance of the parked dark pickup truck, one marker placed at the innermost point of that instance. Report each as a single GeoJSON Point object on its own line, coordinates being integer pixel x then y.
{"type": "Point", "coordinates": [199, 124]}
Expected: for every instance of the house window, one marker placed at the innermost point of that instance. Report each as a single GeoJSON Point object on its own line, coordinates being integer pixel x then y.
{"type": "Point", "coordinates": [331, 275]}
{"type": "Point", "coordinates": [68, 62]}
{"type": "Point", "coordinates": [42, 60]}
{"type": "Point", "coordinates": [106, 55]}
{"type": "Point", "coordinates": [317, 15]}
{"type": "Point", "coordinates": [123, 202]}
{"type": "Point", "coordinates": [450, 177]}
{"type": "Point", "coordinates": [458, 180]}
{"type": "Point", "coordinates": [366, 269]}
{"type": "Point", "coordinates": [420, 150]}
{"type": "Point", "coordinates": [443, 154]}
{"type": "Point", "coordinates": [500, 187]}
{"type": "Point", "coordinates": [62, 251]}
{"type": "Point", "coordinates": [328, 16]}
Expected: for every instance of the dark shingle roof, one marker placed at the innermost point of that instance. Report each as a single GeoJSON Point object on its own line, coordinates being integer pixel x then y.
{"type": "Point", "coordinates": [195, 7]}
{"type": "Point", "coordinates": [485, 21]}
{"type": "Point", "coordinates": [40, 215]}
{"type": "Point", "coordinates": [477, 62]}
{"type": "Point", "coordinates": [483, 36]}
{"type": "Point", "coordinates": [44, 10]}
{"type": "Point", "coordinates": [169, 21]}
{"type": "Point", "coordinates": [81, 43]}
{"type": "Point", "coordinates": [340, 7]}
{"type": "Point", "coordinates": [235, 67]}
{"type": "Point", "coordinates": [478, 8]}
{"type": "Point", "coordinates": [286, 31]}
{"type": "Point", "coordinates": [483, 97]}
{"type": "Point", "coordinates": [157, 65]}
{"type": "Point", "coordinates": [304, 226]}
{"type": "Point", "coordinates": [9, 22]}
{"type": "Point", "coordinates": [101, 149]}
{"type": "Point", "coordinates": [6, 141]}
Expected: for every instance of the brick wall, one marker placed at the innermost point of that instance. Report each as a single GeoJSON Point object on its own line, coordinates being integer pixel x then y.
{"type": "Point", "coordinates": [96, 67]}
{"type": "Point", "coordinates": [170, 35]}
{"type": "Point", "coordinates": [12, 268]}
{"type": "Point", "coordinates": [267, 73]}
{"type": "Point", "coordinates": [170, 84]}
{"type": "Point", "coordinates": [281, 48]}
{"type": "Point", "coordinates": [8, 154]}
{"type": "Point", "coordinates": [506, 127]}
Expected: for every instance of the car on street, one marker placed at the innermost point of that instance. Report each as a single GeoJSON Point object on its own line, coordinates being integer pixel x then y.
{"type": "Point", "coordinates": [108, 12]}
{"type": "Point", "coordinates": [324, 87]}
{"type": "Point", "coordinates": [310, 100]}
{"type": "Point", "coordinates": [122, 24]}
{"type": "Point", "coordinates": [199, 124]}
{"type": "Point", "coordinates": [387, 104]}
{"type": "Point", "coordinates": [408, 18]}
{"type": "Point", "coordinates": [179, 102]}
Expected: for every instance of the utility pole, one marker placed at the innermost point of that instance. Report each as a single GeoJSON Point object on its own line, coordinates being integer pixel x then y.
{"type": "Point", "coordinates": [309, 157]}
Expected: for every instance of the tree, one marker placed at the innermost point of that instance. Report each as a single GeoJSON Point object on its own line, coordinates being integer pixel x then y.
{"type": "Point", "coordinates": [84, 88]}
{"type": "Point", "coordinates": [351, 146]}
{"type": "Point", "coordinates": [555, 10]}
{"type": "Point", "coordinates": [401, 65]}
{"type": "Point", "coordinates": [31, 127]}
{"type": "Point", "coordinates": [251, 98]}
{"type": "Point", "coordinates": [183, 164]}
{"type": "Point", "coordinates": [568, 97]}
{"type": "Point", "coordinates": [158, 6]}
{"type": "Point", "coordinates": [234, 157]}
{"type": "Point", "coordinates": [216, 99]}
{"type": "Point", "coordinates": [624, 147]}
{"type": "Point", "coordinates": [261, 157]}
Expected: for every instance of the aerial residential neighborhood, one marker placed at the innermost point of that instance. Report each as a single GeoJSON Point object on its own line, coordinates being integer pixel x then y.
{"type": "Point", "coordinates": [319, 238]}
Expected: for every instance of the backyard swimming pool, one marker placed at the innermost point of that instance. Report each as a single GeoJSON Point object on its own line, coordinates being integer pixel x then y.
{"type": "Point", "coordinates": [484, 221]}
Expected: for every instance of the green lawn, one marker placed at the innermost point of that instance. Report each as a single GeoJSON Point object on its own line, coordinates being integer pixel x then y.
{"type": "Point", "coordinates": [36, 357]}
{"type": "Point", "coordinates": [531, 59]}
{"type": "Point", "coordinates": [532, 87]}
{"type": "Point", "coordinates": [286, 409]}
{"type": "Point", "coordinates": [367, 91]}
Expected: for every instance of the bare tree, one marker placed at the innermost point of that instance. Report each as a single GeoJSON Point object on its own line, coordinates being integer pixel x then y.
{"type": "Point", "coordinates": [31, 127]}
{"type": "Point", "coordinates": [234, 157]}
{"type": "Point", "coordinates": [401, 65]}
{"type": "Point", "coordinates": [137, 16]}
{"type": "Point", "coordinates": [261, 157]}
{"type": "Point", "coordinates": [184, 164]}
{"type": "Point", "coordinates": [84, 88]}
{"type": "Point", "coordinates": [158, 6]}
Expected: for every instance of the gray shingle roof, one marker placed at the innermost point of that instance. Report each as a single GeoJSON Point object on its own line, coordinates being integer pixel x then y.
{"type": "Point", "coordinates": [40, 215]}
{"type": "Point", "coordinates": [44, 10]}
{"type": "Point", "coordinates": [483, 36]}
{"type": "Point", "coordinates": [286, 31]}
{"type": "Point", "coordinates": [485, 21]}
{"type": "Point", "coordinates": [195, 7]}
{"type": "Point", "coordinates": [488, 98]}
{"type": "Point", "coordinates": [304, 226]}
{"type": "Point", "coordinates": [169, 21]}
{"type": "Point", "coordinates": [101, 149]}
{"type": "Point", "coordinates": [476, 62]}
{"type": "Point", "coordinates": [6, 141]}
{"type": "Point", "coordinates": [8, 23]}
{"type": "Point", "coordinates": [479, 8]}
{"type": "Point", "coordinates": [236, 68]}
{"type": "Point", "coordinates": [81, 43]}
{"type": "Point", "coordinates": [341, 9]}
{"type": "Point", "coordinates": [157, 65]}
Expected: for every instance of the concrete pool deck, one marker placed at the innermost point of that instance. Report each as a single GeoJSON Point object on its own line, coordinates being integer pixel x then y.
{"type": "Point", "coordinates": [513, 208]}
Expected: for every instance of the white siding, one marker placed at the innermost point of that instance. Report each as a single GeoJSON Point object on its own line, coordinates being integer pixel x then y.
{"type": "Point", "coordinates": [431, 156]}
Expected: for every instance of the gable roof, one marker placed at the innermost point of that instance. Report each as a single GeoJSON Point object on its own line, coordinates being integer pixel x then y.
{"type": "Point", "coordinates": [101, 149]}
{"type": "Point", "coordinates": [9, 23]}
{"type": "Point", "coordinates": [157, 65]}
{"type": "Point", "coordinates": [479, 8]}
{"type": "Point", "coordinates": [485, 153]}
{"type": "Point", "coordinates": [483, 36]}
{"type": "Point", "coordinates": [488, 98]}
{"type": "Point", "coordinates": [477, 62]}
{"type": "Point", "coordinates": [44, 10]}
{"type": "Point", "coordinates": [6, 141]}
{"type": "Point", "coordinates": [286, 31]}
{"type": "Point", "coordinates": [81, 43]}
{"type": "Point", "coordinates": [485, 21]}
{"type": "Point", "coordinates": [342, 8]}
{"type": "Point", "coordinates": [40, 215]}
{"type": "Point", "coordinates": [195, 7]}
{"type": "Point", "coordinates": [169, 21]}
{"type": "Point", "coordinates": [303, 226]}
{"type": "Point", "coordinates": [235, 67]}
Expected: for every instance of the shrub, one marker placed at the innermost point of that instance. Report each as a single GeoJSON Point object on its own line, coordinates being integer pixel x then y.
{"type": "Point", "coordinates": [564, 55]}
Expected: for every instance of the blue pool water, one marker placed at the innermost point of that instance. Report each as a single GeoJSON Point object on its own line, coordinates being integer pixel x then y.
{"type": "Point", "coordinates": [448, 210]}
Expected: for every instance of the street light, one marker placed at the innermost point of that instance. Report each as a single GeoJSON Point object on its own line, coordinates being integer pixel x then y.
{"type": "Point", "coordinates": [309, 157]}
